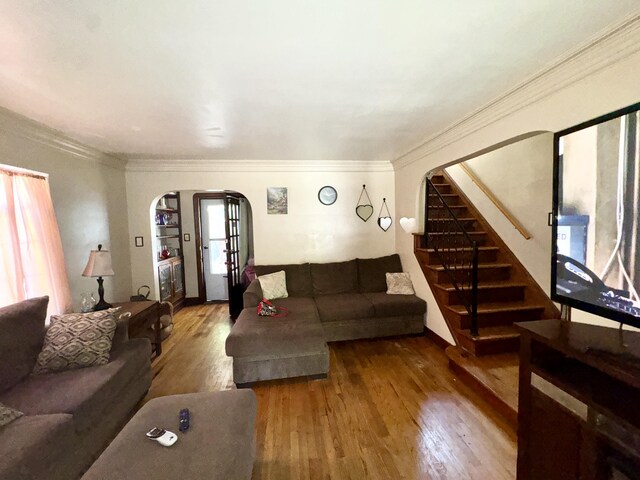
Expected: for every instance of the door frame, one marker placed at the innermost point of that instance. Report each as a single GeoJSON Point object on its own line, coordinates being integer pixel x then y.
{"type": "Point", "coordinates": [197, 220]}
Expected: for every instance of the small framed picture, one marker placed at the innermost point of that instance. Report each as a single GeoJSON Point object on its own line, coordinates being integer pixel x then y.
{"type": "Point", "coordinates": [277, 201]}
{"type": "Point", "coordinates": [139, 241]}
{"type": "Point", "coordinates": [187, 237]}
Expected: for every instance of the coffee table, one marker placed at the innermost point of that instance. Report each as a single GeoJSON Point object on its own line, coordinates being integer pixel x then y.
{"type": "Point", "coordinates": [220, 444]}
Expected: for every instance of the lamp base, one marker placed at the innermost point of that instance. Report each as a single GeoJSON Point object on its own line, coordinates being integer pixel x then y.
{"type": "Point", "coordinates": [101, 305]}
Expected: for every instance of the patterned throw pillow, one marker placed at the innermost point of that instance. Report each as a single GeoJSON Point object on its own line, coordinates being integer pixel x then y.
{"type": "Point", "coordinates": [77, 340]}
{"type": "Point", "coordinates": [274, 285]}
{"type": "Point", "coordinates": [399, 284]}
{"type": "Point", "coordinates": [8, 415]}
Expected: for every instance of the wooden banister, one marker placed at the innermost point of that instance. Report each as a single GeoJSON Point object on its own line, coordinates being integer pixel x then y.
{"type": "Point", "coordinates": [514, 221]}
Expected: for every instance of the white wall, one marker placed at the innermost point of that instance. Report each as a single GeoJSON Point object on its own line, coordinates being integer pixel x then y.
{"type": "Point", "coordinates": [541, 108]}
{"type": "Point", "coordinates": [521, 177]}
{"type": "Point", "coordinates": [311, 232]}
{"type": "Point", "coordinates": [89, 197]}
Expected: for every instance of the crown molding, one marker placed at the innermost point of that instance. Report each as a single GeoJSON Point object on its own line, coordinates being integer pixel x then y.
{"type": "Point", "coordinates": [243, 166]}
{"type": "Point", "coordinates": [23, 127]}
{"type": "Point", "coordinates": [611, 46]}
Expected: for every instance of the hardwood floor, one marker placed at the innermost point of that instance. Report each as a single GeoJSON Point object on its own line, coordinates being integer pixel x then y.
{"type": "Point", "coordinates": [390, 409]}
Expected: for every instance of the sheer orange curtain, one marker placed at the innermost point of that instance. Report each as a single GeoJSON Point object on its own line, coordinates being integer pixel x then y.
{"type": "Point", "coordinates": [31, 255]}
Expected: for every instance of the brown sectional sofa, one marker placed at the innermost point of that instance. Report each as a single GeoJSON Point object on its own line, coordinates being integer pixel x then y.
{"type": "Point", "coordinates": [327, 302]}
{"type": "Point", "coordinates": [69, 417]}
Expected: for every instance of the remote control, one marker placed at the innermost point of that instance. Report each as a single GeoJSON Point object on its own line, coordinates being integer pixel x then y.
{"type": "Point", "coordinates": [184, 419]}
{"type": "Point", "coordinates": [162, 436]}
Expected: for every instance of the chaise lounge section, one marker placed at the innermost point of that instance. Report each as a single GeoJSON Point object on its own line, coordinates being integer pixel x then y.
{"type": "Point", "coordinates": [327, 302]}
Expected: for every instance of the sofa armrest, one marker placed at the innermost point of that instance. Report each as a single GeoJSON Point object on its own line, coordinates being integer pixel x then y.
{"type": "Point", "coordinates": [121, 335]}
{"type": "Point", "coordinates": [252, 295]}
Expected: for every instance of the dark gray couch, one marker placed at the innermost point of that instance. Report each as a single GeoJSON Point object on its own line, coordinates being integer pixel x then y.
{"type": "Point", "coordinates": [327, 302]}
{"type": "Point", "coordinates": [69, 417]}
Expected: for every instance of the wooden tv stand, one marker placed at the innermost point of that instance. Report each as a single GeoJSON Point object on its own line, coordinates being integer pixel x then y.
{"type": "Point", "coordinates": [579, 402]}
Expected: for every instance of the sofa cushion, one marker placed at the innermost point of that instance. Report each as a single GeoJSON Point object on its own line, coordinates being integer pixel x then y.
{"type": "Point", "coordinates": [77, 340]}
{"type": "Point", "coordinates": [343, 306]}
{"type": "Point", "coordinates": [21, 336]}
{"type": "Point", "coordinates": [399, 284]}
{"type": "Point", "coordinates": [371, 272]}
{"type": "Point", "coordinates": [274, 285]}
{"type": "Point", "coordinates": [298, 277]}
{"type": "Point", "coordinates": [222, 439]}
{"type": "Point", "coordinates": [8, 415]}
{"type": "Point", "coordinates": [32, 447]}
{"type": "Point", "coordinates": [386, 305]}
{"type": "Point", "coordinates": [332, 278]}
{"type": "Point", "coordinates": [86, 393]}
{"type": "Point", "coordinates": [300, 333]}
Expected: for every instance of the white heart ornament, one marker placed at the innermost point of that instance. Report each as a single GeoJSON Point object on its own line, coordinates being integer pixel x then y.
{"type": "Point", "coordinates": [384, 223]}
{"type": "Point", "coordinates": [409, 225]}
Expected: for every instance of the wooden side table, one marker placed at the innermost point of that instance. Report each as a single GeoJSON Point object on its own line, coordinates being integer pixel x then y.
{"type": "Point", "coordinates": [143, 315]}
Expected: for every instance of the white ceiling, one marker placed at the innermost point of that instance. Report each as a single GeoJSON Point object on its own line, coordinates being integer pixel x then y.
{"type": "Point", "coordinates": [279, 79]}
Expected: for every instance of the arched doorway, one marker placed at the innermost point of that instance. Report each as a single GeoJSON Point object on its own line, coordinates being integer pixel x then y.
{"type": "Point", "coordinates": [224, 246]}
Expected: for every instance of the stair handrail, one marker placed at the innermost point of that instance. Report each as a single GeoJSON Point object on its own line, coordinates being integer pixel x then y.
{"type": "Point", "coordinates": [498, 204]}
{"type": "Point", "coordinates": [472, 304]}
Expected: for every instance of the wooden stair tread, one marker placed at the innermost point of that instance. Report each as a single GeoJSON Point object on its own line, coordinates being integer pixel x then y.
{"type": "Point", "coordinates": [496, 307]}
{"type": "Point", "coordinates": [473, 232]}
{"type": "Point", "coordinates": [440, 268]}
{"type": "Point", "coordinates": [482, 285]}
{"type": "Point", "coordinates": [492, 333]}
{"type": "Point", "coordinates": [485, 248]}
{"type": "Point", "coordinates": [460, 205]}
{"type": "Point", "coordinates": [461, 219]}
{"type": "Point", "coordinates": [495, 377]}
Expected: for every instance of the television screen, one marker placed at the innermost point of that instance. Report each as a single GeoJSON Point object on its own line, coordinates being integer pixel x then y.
{"type": "Point", "coordinates": [596, 244]}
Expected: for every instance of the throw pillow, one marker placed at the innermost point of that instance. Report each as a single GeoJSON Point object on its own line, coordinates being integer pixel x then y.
{"type": "Point", "coordinates": [77, 340]}
{"type": "Point", "coordinates": [8, 415]}
{"type": "Point", "coordinates": [399, 284]}
{"type": "Point", "coordinates": [274, 285]}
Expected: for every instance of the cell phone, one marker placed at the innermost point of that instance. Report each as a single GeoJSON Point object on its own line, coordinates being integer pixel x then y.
{"type": "Point", "coordinates": [155, 432]}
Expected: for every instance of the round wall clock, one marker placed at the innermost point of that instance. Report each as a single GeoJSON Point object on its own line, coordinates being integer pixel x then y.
{"type": "Point", "coordinates": [327, 195]}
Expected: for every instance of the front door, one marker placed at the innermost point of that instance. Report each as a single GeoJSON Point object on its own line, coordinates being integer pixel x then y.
{"type": "Point", "coordinates": [214, 248]}
{"type": "Point", "coordinates": [234, 284]}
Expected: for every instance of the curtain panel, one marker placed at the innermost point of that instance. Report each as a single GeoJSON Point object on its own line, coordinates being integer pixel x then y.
{"type": "Point", "coordinates": [31, 256]}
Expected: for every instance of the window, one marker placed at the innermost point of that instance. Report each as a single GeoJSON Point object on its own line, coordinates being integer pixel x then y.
{"type": "Point", "coordinates": [31, 256]}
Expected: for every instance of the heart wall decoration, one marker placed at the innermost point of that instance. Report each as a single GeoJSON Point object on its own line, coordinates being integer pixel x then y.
{"type": "Point", "coordinates": [364, 210]}
{"type": "Point", "coordinates": [409, 225]}
{"type": "Point", "coordinates": [384, 221]}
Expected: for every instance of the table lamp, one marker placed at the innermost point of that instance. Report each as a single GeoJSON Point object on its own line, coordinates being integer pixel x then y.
{"type": "Point", "coordinates": [99, 265]}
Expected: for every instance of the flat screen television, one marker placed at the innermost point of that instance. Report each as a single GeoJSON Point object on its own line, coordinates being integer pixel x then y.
{"type": "Point", "coordinates": [596, 210]}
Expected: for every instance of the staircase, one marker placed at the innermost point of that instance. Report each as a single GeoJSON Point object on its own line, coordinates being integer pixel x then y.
{"type": "Point", "coordinates": [498, 293]}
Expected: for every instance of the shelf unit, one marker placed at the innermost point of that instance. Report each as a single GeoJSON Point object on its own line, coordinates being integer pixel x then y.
{"type": "Point", "coordinates": [168, 249]}
{"type": "Point", "coordinates": [579, 387]}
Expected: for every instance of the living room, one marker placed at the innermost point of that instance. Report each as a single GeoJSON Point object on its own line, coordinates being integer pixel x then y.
{"type": "Point", "coordinates": [101, 99]}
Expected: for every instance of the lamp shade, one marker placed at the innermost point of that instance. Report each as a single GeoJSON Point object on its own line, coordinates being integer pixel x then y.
{"type": "Point", "coordinates": [99, 264]}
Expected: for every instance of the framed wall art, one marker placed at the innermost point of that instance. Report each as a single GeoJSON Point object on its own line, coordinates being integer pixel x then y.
{"type": "Point", "coordinates": [277, 201]}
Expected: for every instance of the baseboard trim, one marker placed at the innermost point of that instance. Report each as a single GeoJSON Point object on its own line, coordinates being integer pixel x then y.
{"type": "Point", "coordinates": [435, 338]}
{"type": "Point", "coordinates": [191, 301]}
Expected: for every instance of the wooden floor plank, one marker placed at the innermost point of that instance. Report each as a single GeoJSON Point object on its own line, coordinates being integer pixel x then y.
{"type": "Point", "coordinates": [390, 409]}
